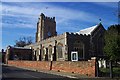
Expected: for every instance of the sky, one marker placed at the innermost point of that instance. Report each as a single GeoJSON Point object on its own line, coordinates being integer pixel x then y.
{"type": "Point", "coordinates": [19, 19]}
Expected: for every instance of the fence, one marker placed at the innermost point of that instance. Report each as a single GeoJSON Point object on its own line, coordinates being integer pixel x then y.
{"type": "Point", "coordinates": [111, 70]}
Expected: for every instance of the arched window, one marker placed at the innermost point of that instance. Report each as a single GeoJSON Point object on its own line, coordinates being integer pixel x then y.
{"type": "Point", "coordinates": [59, 50]}
{"type": "Point", "coordinates": [43, 53]}
{"type": "Point", "coordinates": [49, 51]}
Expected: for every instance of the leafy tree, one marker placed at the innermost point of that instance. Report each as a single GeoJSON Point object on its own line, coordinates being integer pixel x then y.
{"type": "Point", "coordinates": [112, 42]}
{"type": "Point", "coordinates": [23, 41]}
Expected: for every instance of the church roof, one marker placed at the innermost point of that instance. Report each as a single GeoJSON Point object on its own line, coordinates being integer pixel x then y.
{"type": "Point", "coordinates": [87, 31]}
{"type": "Point", "coordinates": [18, 47]}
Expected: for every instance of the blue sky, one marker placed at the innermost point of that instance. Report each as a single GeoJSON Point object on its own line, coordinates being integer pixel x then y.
{"type": "Point", "coordinates": [20, 18]}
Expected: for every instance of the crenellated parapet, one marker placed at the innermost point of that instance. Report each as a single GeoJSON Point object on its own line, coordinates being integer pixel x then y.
{"type": "Point", "coordinates": [50, 18]}
{"type": "Point", "coordinates": [76, 34]}
{"type": "Point", "coordinates": [43, 17]}
{"type": "Point", "coordinates": [79, 37]}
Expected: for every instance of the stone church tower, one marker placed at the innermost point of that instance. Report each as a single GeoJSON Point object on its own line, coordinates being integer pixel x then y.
{"type": "Point", "coordinates": [46, 27]}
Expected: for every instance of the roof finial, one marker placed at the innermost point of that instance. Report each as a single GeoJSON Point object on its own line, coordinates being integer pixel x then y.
{"type": "Point", "coordinates": [100, 20]}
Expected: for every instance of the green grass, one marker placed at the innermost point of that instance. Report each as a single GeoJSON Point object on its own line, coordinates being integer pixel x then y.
{"type": "Point", "coordinates": [105, 70]}
{"type": "Point", "coordinates": [116, 70]}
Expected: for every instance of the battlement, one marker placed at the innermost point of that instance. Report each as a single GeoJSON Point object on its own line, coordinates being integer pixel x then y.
{"type": "Point", "coordinates": [50, 18]}
{"type": "Point", "coordinates": [76, 34]}
{"type": "Point", "coordinates": [42, 16]}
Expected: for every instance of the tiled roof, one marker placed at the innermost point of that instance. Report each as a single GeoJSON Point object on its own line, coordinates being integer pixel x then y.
{"type": "Point", "coordinates": [87, 31]}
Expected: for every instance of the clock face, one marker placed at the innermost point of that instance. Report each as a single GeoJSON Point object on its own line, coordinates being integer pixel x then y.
{"type": "Point", "coordinates": [49, 33]}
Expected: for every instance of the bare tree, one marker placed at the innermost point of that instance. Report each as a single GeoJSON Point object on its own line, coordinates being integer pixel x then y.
{"type": "Point", "coordinates": [23, 41]}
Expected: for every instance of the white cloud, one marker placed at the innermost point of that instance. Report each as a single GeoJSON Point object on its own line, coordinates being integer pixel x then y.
{"type": "Point", "coordinates": [18, 25]}
{"type": "Point", "coordinates": [68, 14]}
{"type": "Point", "coordinates": [62, 14]}
{"type": "Point", "coordinates": [32, 12]}
{"type": "Point", "coordinates": [15, 9]}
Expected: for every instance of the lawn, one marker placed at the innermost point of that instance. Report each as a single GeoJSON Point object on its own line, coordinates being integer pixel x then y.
{"type": "Point", "coordinates": [106, 71]}
{"type": "Point", "coordinates": [115, 70]}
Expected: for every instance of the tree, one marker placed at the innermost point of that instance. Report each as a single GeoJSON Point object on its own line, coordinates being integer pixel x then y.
{"type": "Point", "coordinates": [23, 41]}
{"type": "Point", "coordinates": [112, 42]}
{"type": "Point", "coordinates": [112, 45]}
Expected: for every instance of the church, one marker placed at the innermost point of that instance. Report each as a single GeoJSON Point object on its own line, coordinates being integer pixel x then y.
{"type": "Point", "coordinates": [68, 46]}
